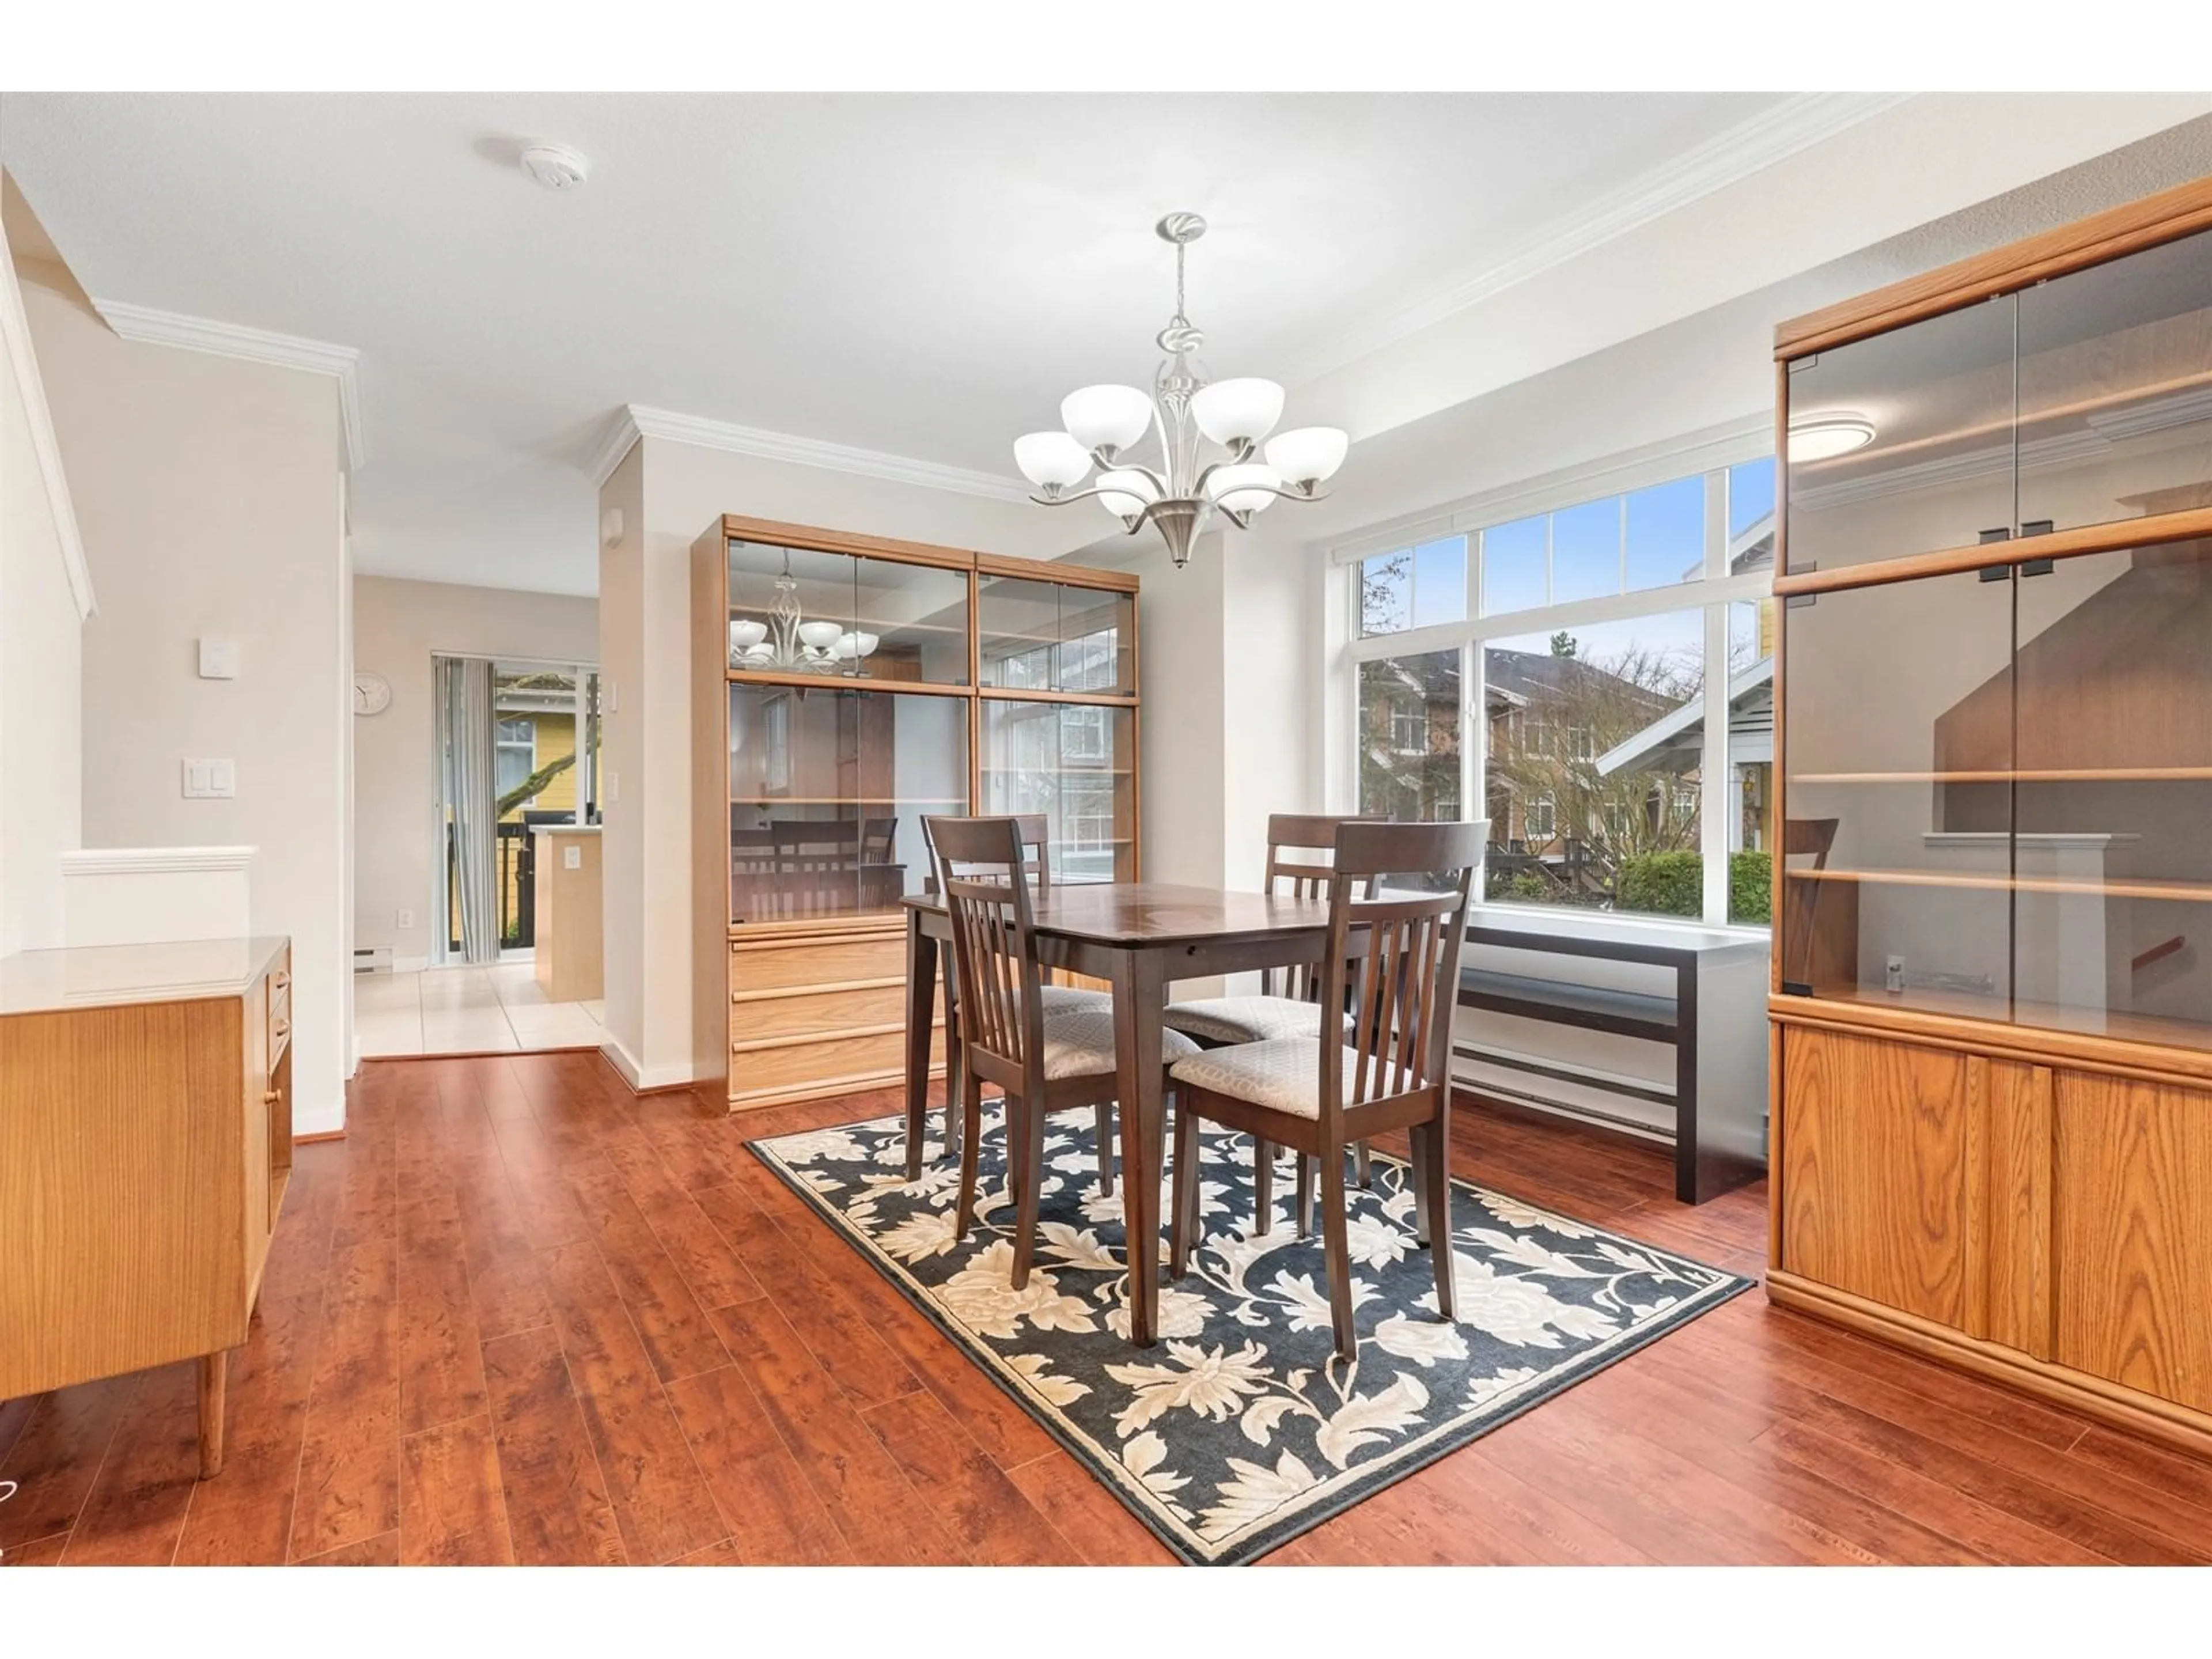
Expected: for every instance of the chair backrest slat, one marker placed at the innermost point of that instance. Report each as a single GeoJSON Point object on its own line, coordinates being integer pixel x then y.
{"type": "Point", "coordinates": [985, 881]}
{"type": "Point", "coordinates": [1301, 864]}
{"type": "Point", "coordinates": [1393, 958]}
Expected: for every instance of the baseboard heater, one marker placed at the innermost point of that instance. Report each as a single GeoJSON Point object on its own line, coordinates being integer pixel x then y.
{"type": "Point", "coordinates": [373, 959]}
{"type": "Point", "coordinates": [1575, 1111]}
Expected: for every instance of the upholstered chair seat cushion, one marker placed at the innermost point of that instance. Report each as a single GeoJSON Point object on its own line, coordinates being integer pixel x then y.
{"type": "Point", "coordinates": [1057, 999]}
{"type": "Point", "coordinates": [1079, 1042]}
{"type": "Point", "coordinates": [1245, 1019]}
{"type": "Point", "coordinates": [1283, 1075]}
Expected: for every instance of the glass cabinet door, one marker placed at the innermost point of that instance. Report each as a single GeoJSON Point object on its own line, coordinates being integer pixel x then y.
{"type": "Point", "coordinates": [2113, 916]}
{"type": "Point", "coordinates": [795, 610]}
{"type": "Point", "coordinates": [828, 786]}
{"type": "Point", "coordinates": [1937, 471]}
{"type": "Point", "coordinates": [1075, 763]}
{"type": "Point", "coordinates": [2116, 389]}
{"type": "Point", "coordinates": [1054, 636]}
{"type": "Point", "coordinates": [1897, 839]}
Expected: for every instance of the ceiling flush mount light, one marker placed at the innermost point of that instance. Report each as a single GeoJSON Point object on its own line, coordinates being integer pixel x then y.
{"type": "Point", "coordinates": [1180, 497]}
{"type": "Point", "coordinates": [1827, 436]}
{"type": "Point", "coordinates": [557, 166]}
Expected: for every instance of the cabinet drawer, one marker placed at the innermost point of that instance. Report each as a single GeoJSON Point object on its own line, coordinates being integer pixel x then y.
{"type": "Point", "coordinates": [800, 1071]}
{"type": "Point", "coordinates": [818, 1013]}
{"type": "Point", "coordinates": [815, 962]}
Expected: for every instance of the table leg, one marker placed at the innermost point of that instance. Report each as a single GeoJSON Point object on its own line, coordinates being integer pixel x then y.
{"type": "Point", "coordinates": [920, 992]}
{"type": "Point", "coordinates": [215, 1376]}
{"type": "Point", "coordinates": [1138, 999]}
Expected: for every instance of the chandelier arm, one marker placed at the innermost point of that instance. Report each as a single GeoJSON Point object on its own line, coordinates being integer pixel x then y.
{"type": "Point", "coordinates": [1086, 495]}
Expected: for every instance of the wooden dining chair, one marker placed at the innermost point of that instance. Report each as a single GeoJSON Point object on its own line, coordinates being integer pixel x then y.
{"type": "Point", "coordinates": [1034, 832]}
{"type": "Point", "coordinates": [1301, 846]}
{"type": "Point", "coordinates": [1393, 959]}
{"type": "Point", "coordinates": [1043, 1060]}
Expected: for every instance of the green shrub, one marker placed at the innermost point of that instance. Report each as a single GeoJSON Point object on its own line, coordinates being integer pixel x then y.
{"type": "Point", "coordinates": [1663, 884]}
{"type": "Point", "coordinates": [1673, 884]}
{"type": "Point", "coordinates": [1750, 889]}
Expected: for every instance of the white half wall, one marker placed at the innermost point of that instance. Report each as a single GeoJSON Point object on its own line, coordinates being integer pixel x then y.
{"type": "Point", "coordinates": [210, 499]}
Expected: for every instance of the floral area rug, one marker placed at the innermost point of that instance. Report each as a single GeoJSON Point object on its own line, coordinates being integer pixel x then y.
{"type": "Point", "coordinates": [1241, 1429]}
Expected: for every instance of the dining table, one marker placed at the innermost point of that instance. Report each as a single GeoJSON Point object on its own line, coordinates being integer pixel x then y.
{"type": "Point", "coordinates": [1140, 938]}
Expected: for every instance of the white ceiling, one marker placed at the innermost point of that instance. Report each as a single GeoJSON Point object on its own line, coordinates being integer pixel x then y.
{"type": "Point", "coordinates": [920, 275]}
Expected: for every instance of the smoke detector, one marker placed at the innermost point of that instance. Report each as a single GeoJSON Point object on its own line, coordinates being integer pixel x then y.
{"type": "Point", "coordinates": [557, 166]}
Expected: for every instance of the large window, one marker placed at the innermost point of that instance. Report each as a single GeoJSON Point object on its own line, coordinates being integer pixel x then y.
{"type": "Point", "coordinates": [1409, 737]}
{"type": "Point", "coordinates": [1569, 666]}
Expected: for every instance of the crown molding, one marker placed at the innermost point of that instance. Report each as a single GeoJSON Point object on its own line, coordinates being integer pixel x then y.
{"type": "Point", "coordinates": [150, 860]}
{"type": "Point", "coordinates": [1797, 123]}
{"type": "Point", "coordinates": [634, 421]}
{"type": "Point", "coordinates": [147, 327]}
{"type": "Point", "coordinates": [16, 327]}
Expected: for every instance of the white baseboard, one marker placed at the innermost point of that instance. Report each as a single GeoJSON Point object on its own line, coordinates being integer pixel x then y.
{"type": "Point", "coordinates": [324, 1117]}
{"type": "Point", "coordinates": [410, 964]}
{"type": "Point", "coordinates": [642, 1078]}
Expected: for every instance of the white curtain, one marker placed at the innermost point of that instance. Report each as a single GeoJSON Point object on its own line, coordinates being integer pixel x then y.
{"type": "Point", "coordinates": [464, 720]}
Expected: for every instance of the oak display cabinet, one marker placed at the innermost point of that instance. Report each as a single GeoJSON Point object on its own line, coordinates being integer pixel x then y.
{"type": "Point", "coordinates": [846, 687]}
{"type": "Point", "coordinates": [1992, 992]}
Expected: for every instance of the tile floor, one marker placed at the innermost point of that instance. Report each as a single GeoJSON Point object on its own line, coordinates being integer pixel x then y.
{"type": "Point", "coordinates": [467, 1010]}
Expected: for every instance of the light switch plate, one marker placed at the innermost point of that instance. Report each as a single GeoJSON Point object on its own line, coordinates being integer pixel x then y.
{"type": "Point", "coordinates": [210, 780]}
{"type": "Point", "coordinates": [218, 659]}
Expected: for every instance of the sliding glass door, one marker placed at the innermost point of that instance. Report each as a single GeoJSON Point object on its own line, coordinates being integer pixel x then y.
{"type": "Point", "coordinates": [518, 746]}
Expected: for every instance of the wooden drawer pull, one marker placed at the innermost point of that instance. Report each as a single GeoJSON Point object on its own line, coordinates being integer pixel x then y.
{"type": "Point", "coordinates": [282, 978]}
{"type": "Point", "coordinates": [272, 1097]}
{"type": "Point", "coordinates": [280, 1027]}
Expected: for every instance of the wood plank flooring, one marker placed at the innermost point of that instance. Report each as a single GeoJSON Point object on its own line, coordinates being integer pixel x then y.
{"type": "Point", "coordinates": [519, 1315]}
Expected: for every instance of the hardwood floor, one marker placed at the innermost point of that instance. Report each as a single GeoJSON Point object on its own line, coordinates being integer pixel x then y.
{"type": "Point", "coordinates": [518, 1315]}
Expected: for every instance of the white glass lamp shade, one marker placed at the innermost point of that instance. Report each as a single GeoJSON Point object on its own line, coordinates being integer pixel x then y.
{"type": "Point", "coordinates": [819, 635]}
{"type": "Point", "coordinates": [1106, 416]}
{"type": "Point", "coordinates": [745, 635]}
{"type": "Point", "coordinates": [1245, 489]}
{"type": "Point", "coordinates": [1126, 494]}
{"type": "Point", "coordinates": [854, 646]}
{"type": "Point", "coordinates": [1047, 459]}
{"type": "Point", "coordinates": [1233, 411]}
{"type": "Point", "coordinates": [1307, 454]}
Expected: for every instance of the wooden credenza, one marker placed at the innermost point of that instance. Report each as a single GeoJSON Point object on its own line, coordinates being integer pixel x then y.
{"type": "Point", "coordinates": [145, 1142]}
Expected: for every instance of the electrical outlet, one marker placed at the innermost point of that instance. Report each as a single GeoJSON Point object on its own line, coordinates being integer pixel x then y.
{"type": "Point", "coordinates": [406, 919]}
{"type": "Point", "coordinates": [572, 858]}
{"type": "Point", "coordinates": [1893, 974]}
{"type": "Point", "coordinates": [614, 786]}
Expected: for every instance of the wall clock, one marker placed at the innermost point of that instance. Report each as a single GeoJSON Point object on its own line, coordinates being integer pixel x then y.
{"type": "Point", "coordinates": [371, 693]}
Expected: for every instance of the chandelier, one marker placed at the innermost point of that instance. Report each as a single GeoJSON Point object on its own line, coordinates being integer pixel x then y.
{"type": "Point", "coordinates": [786, 641]}
{"type": "Point", "coordinates": [1182, 497]}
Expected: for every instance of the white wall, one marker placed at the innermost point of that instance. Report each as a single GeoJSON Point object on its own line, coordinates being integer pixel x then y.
{"type": "Point", "coordinates": [209, 494]}
{"type": "Point", "coordinates": [398, 626]}
{"type": "Point", "coordinates": [41, 650]}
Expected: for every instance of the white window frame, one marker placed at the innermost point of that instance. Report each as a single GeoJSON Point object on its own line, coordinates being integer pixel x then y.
{"type": "Point", "coordinates": [1711, 455]}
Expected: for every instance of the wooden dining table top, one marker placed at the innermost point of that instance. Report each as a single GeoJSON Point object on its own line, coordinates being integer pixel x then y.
{"type": "Point", "coordinates": [1139, 912]}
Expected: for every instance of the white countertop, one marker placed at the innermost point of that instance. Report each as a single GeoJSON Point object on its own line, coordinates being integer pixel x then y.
{"type": "Point", "coordinates": [566, 829]}
{"type": "Point", "coordinates": [110, 975]}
